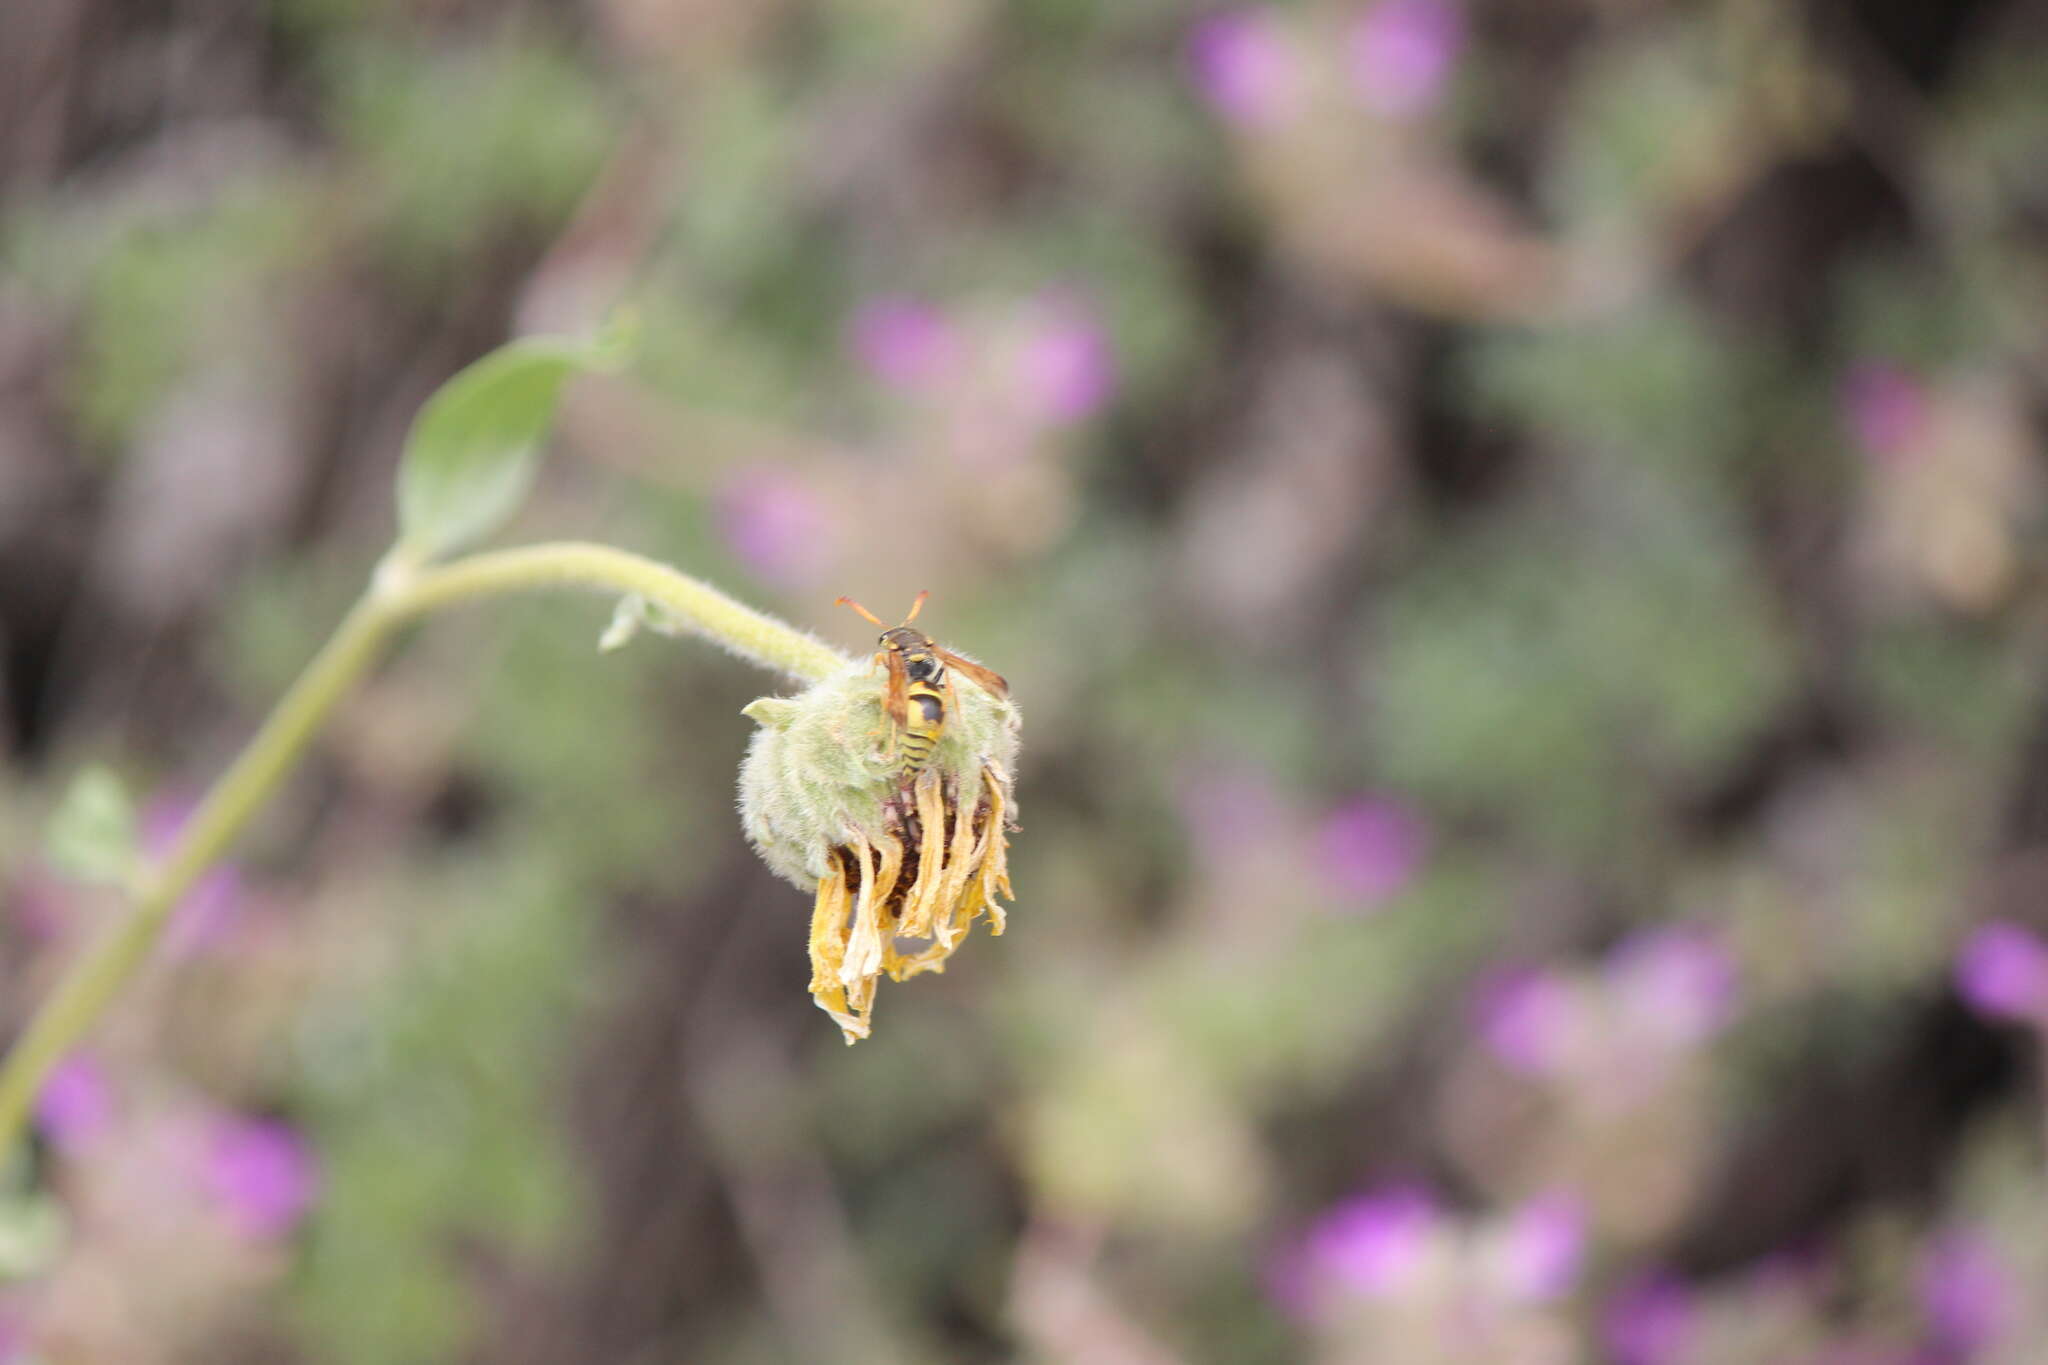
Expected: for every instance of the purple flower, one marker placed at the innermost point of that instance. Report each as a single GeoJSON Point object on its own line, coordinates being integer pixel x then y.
{"type": "Point", "coordinates": [1967, 1292]}
{"type": "Point", "coordinates": [773, 523]}
{"type": "Point", "coordinates": [1527, 1018]}
{"type": "Point", "coordinates": [213, 906]}
{"type": "Point", "coordinates": [1371, 848]}
{"type": "Point", "coordinates": [1066, 369]}
{"type": "Point", "coordinates": [903, 342]}
{"type": "Point", "coordinates": [1243, 68]}
{"type": "Point", "coordinates": [263, 1174]}
{"type": "Point", "coordinates": [76, 1102]}
{"type": "Point", "coordinates": [1649, 1321]}
{"type": "Point", "coordinates": [1543, 1248]}
{"type": "Point", "coordinates": [1884, 406]}
{"type": "Point", "coordinates": [1373, 1245]}
{"type": "Point", "coordinates": [1402, 51]}
{"type": "Point", "coordinates": [1676, 981]}
{"type": "Point", "coordinates": [2002, 972]}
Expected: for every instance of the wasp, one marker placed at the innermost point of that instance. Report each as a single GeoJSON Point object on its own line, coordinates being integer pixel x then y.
{"type": "Point", "coordinates": [921, 691]}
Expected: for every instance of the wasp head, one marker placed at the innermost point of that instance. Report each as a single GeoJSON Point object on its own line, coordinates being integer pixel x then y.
{"type": "Point", "coordinates": [920, 656]}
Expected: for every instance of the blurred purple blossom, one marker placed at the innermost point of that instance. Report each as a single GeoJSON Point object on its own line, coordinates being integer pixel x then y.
{"type": "Point", "coordinates": [1242, 66]}
{"type": "Point", "coordinates": [1374, 1244]}
{"type": "Point", "coordinates": [1649, 1321]}
{"type": "Point", "coordinates": [1885, 407]}
{"type": "Point", "coordinates": [1067, 369]}
{"type": "Point", "coordinates": [1543, 1248]}
{"type": "Point", "coordinates": [1371, 848]}
{"type": "Point", "coordinates": [1967, 1291]}
{"type": "Point", "coordinates": [1403, 51]}
{"type": "Point", "coordinates": [1676, 981]}
{"type": "Point", "coordinates": [2002, 972]}
{"type": "Point", "coordinates": [263, 1173]}
{"type": "Point", "coordinates": [905, 343]}
{"type": "Point", "coordinates": [1526, 1017]}
{"type": "Point", "coordinates": [773, 522]}
{"type": "Point", "coordinates": [76, 1103]}
{"type": "Point", "coordinates": [211, 909]}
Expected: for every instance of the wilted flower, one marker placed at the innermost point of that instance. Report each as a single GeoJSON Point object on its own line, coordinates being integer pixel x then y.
{"type": "Point", "coordinates": [263, 1174]}
{"type": "Point", "coordinates": [2002, 973]}
{"type": "Point", "coordinates": [901, 868]}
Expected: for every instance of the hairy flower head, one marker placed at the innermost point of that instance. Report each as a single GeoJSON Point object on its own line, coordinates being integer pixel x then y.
{"type": "Point", "coordinates": [902, 863]}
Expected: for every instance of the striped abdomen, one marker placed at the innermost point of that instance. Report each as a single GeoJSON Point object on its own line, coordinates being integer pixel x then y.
{"type": "Point", "coordinates": [924, 721]}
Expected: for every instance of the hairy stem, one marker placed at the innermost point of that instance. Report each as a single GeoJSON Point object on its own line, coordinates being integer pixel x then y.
{"type": "Point", "coordinates": [697, 606]}
{"type": "Point", "coordinates": [401, 593]}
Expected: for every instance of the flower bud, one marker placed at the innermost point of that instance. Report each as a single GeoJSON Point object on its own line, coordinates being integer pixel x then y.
{"type": "Point", "coordinates": [901, 863]}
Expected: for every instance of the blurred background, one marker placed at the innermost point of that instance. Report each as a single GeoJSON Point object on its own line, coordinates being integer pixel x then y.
{"type": "Point", "coordinates": [1515, 525]}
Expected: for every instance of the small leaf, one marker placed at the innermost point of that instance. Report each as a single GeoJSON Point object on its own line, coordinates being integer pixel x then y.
{"type": "Point", "coordinates": [470, 457]}
{"type": "Point", "coordinates": [92, 835]}
{"type": "Point", "coordinates": [774, 712]}
{"type": "Point", "coordinates": [634, 614]}
{"type": "Point", "coordinates": [625, 623]}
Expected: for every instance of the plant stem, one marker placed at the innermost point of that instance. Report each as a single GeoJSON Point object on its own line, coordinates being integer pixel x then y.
{"type": "Point", "coordinates": [400, 593]}
{"type": "Point", "coordinates": [696, 606]}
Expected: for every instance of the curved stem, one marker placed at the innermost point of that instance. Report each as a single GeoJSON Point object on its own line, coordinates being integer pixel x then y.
{"type": "Point", "coordinates": [91, 982]}
{"type": "Point", "coordinates": [696, 606]}
{"type": "Point", "coordinates": [400, 593]}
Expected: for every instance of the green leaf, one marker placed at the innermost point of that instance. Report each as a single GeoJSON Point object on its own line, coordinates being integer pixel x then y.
{"type": "Point", "coordinates": [33, 1233]}
{"type": "Point", "coordinates": [470, 457]}
{"type": "Point", "coordinates": [92, 835]}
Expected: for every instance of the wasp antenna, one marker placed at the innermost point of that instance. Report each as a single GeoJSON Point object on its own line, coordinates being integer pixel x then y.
{"type": "Point", "coordinates": [917, 606]}
{"type": "Point", "coordinates": [849, 602]}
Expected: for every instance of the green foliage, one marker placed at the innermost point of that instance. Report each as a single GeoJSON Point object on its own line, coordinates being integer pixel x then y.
{"type": "Point", "coordinates": [1652, 383]}
{"type": "Point", "coordinates": [472, 452]}
{"type": "Point", "coordinates": [1644, 120]}
{"type": "Point", "coordinates": [502, 133]}
{"type": "Point", "coordinates": [430, 1092]}
{"type": "Point", "coordinates": [92, 833]}
{"type": "Point", "coordinates": [1556, 667]}
{"type": "Point", "coordinates": [161, 289]}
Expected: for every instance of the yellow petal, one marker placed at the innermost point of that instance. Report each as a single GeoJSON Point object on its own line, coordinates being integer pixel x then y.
{"type": "Point", "coordinates": [931, 858]}
{"type": "Point", "coordinates": [864, 947]}
{"type": "Point", "coordinates": [828, 929]}
{"type": "Point", "coordinates": [828, 948]}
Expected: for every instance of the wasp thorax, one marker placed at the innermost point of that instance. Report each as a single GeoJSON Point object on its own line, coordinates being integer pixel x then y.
{"type": "Point", "coordinates": [902, 862]}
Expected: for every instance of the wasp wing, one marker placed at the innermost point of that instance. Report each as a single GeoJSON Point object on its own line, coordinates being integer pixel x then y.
{"type": "Point", "coordinates": [897, 699]}
{"type": "Point", "coordinates": [987, 679]}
